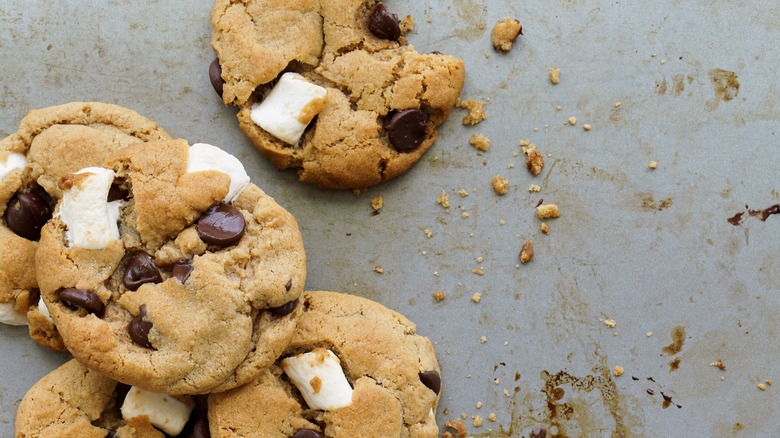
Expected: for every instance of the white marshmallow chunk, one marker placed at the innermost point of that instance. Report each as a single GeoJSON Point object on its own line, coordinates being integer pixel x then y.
{"type": "Point", "coordinates": [163, 411]}
{"type": "Point", "coordinates": [44, 310]}
{"type": "Point", "coordinates": [10, 316]}
{"type": "Point", "coordinates": [203, 156]}
{"type": "Point", "coordinates": [91, 219]}
{"type": "Point", "coordinates": [289, 107]}
{"type": "Point", "coordinates": [319, 378]}
{"type": "Point", "coordinates": [14, 160]}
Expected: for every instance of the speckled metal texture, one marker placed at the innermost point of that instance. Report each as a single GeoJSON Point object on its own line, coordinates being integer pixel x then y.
{"type": "Point", "coordinates": [642, 270]}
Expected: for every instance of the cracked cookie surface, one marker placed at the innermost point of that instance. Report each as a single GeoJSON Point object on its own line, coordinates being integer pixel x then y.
{"type": "Point", "coordinates": [54, 142]}
{"type": "Point", "coordinates": [368, 79]}
{"type": "Point", "coordinates": [391, 369]}
{"type": "Point", "coordinates": [180, 302]}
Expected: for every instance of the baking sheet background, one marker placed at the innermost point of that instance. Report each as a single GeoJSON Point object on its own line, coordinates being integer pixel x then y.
{"type": "Point", "coordinates": [651, 250]}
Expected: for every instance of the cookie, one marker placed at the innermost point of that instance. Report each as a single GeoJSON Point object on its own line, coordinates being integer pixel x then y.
{"type": "Point", "coordinates": [49, 144]}
{"type": "Point", "coordinates": [74, 401]}
{"type": "Point", "coordinates": [170, 271]}
{"type": "Point", "coordinates": [354, 368]}
{"type": "Point", "coordinates": [372, 104]}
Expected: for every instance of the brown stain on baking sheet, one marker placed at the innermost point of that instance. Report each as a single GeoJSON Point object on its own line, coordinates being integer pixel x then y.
{"type": "Point", "coordinates": [725, 85]}
{"type": "Point", "coordinates": [678, 82]}
{"type": "Point", "coordinates": [648, 202]}
{"type": "Point", "coordinates": [762, 215]}
{"type": "Point", "coordinates": [678, 340]}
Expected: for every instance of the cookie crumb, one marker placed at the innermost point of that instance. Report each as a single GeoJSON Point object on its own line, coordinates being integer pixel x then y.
{"type": "Point", "coordinates": [479, 404]}
{"type": "Point", "coordinates": [476, 112]}
{"type": "Point", "coordinates": [545, 211]}
{"type": "Point", "coordinates": [428, 234]}
{"type": "Point", "coordinates": [443, 200]}
{"type": "Point", "coordinates": [610, 322]}
{"type": "Point", "coordinates": [545, 228]}
{"type": "Point", "coordinates": [505, 33]}
{"type": "Point", "coordinates": [430, 19]}
{"type": "Point", "coordinates": [500, 185]}
{"type": "Point", "coordinates": [618, 370]}
{"type": "Point", "coordinates": [586, 127]}
{"type": "Point", "coordinates": [463, 193]}
{"type": "Point", "coordinates": [378, 269]}
{"type": "Point", "coordinates": [439, 295]}
{"type": "Point", "coordinates": [617, 104]}
{"type": "Point", "coordinates": [653, 164]}
{"type": "Point", "coordinates": [525, 142]}
{"type": "Point", "coordinates": [572, 120]}
{"type": "Point", "coordinates": [762, 386]}
{"type": "Point", "coordinates": [458, 426]}
{"type": "Point", "coordinates": [534, 162]}
{"type": "Point", "coordinates": [464, 215]}
{"type": "Point", "coordinates": [554, 71]}
{"type": "Point", "coordinates": [377, 202]}
{"type": "Point", "coordinates": [480, 142]}
{"type": "Point", "coordinates": [477, 420]}
{"type": "Point", "coordinates": [534, 188]}
{"type": "Point", "coordinates": [483, 340]}
{"type": "Point", "coordinates": [649, 334]}
{"type": "Point", "coordinates": [527, 252]}
{"type": "Point", "coordinates": [506, 393]}
{"type": "Point", "coordinates": [358, 192]}
{"type": "Point", "coordinates": [492, 416]}
{"type": "Point", "coordinates": [718, 364]}
{"type": "Point", "coordinates": [478, 271]}
{"type": "Point", "coordinates": [407, 24]}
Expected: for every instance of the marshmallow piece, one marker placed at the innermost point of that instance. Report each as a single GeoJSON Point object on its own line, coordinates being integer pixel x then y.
{"type": "Point", "coordinates": [90, 218]}
{"type": "Point", "coordinates": [14, 160]}
{"type": "Point", "coordinates": [10, 316]}
{"type": "Point", "coordinates": [204, 156]}
{"type": "Point", "coordinates": [44, 310]}
{"type": "Point", "coordinates": [163, 411]}
{"type": "Point", "coordinates": [319, 378]}
{"type": "Point", "coordinates": [289, 107]}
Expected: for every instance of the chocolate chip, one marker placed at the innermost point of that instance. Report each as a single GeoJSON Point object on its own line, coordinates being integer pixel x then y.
{"type": "Point", "coordinates": [407, 129]}
{"type": "Point", "coordinates": [182, 270]}
{"type": "Point", "coordinates": [307, 433]}
{"type": "Point", "coordinates": [215, 75]}
{"type": "Point", "coordinates": [384, 24]}
{"type": "Point", "coordinates": [432, 380]}
{"type": "Point", "coordinates": [139, 329]}
{"type": "Point", "coordinates": [111, 434]}
{"type": "Point", "coordinates": [201, 428]}
{"type": "Point", "coordinates": [288, 286]}
{"type": "Point", "coordinates": [26, 214]}
{"type": "Point", "coordinates": [539, 432]}
{"type": "Point", "coordinates": [140, 270]}
{"type": "Point", "coordinates": [118, 193]}
{"type": "Point", "coordinates": [284, 309]}
{"type": "Point", "coordinates": [84, 299]}
{"type": "Point", "coordinates": [221, 225]}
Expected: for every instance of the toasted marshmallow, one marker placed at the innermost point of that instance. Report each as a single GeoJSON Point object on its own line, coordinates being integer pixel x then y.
{"type": "Point", "coordinates": [289, 107]}
{"type": "Point", "coordinates": [90, 218]}
{"type": "Point", "coordinates": [44, 310]}
{"type": "Point", "coordinates": [163, 411]}
{"type": "Point", "coordinates": [10, 316]}
{"type": "Point", "coordinates": [319, 378]}
{"type": "Point", "coordinates": [204, 156]}
{"type": "Point", "coordinates": [14, 160]}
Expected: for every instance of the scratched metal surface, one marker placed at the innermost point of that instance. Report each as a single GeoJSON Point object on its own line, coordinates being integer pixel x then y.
{"type": "Point", "coordinates": [650, 250]}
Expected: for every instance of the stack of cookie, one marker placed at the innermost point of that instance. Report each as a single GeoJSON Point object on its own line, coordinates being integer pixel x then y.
{"type": "Point", "coordinates": [178, 285]}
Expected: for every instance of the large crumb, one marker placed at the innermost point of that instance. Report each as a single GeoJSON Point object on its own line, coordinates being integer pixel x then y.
{"type": "Point", "coordinates": [459, 426]}
{"type": "Point", "coordinates": [443, 200]}
{"type": "Point", "coordinates": [505, 32]}
{"type": "Point", "coordinates": [545, 211]}
{"type": "Point", "coordinates": [477, 420]}
{"type": "Point", "coordinates": [535, 161]}
{"type": "Point", "coordinates": [377, 202]}
{"type": "Point", "coordinates": [500, 184]}
{"type": "Point", "coordinates": [407, 24]}
{"type": "Point", "coordinates": [476, 297]}
{"type": "Point", "coordinates": [476, 113]}
{"type": "Point", "coordinates": [378, 269]}
{"type": "Point", "coordinates": [439, 295]}
{"type": "Point", "coordinates": [527, 252]}
{"type": "Point", "coordinates": [545, 228]}
{"type": "Point", "coordinates": [480, 141]}
{"type": "Point", "coordinates": [554, 71]}
{"type": "Point", "coordinates": [534, 188]}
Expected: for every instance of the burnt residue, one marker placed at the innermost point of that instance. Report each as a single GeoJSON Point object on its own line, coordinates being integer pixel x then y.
{"type": "Point", "coordinates": [678, 339]}
{"type": "Point", "coordinates": [674, 365]}
{"type": "Point", "coordinates": [762, 214]}
{"type": "Point", "coordinates": [650, 204]}
{"type": "Point", "coordinates": [724, 83]}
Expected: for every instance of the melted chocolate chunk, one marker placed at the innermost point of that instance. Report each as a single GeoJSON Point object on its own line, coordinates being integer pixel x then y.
{"type": "Point", "coordinates": [288, 285]}
{"type": "Point", "coordinates": [111, 434]}
{"type": "Point", "coordinates": [221, 225]}
{"type": "Point", "coordinates": [407, 129]}
{"type": "Point", "coordinates": [139, 329]}
{"type": "Point", "coordinates": [284, 309]}
{"type": "Point", "coordinates": [384, 24]}
{"type": "Point", "coordinates": [539, 432]}
{"type": "Point", "coordinates": [432, 380]}
{"type": "Point", "coordinates": [201, 428]}
{"type": "Point", "coordinates": [182, 270]}
{"type": "Point", "coordinates": [140, 270]}
{"type": "Point", "coordinates": [215, 76]}
{"type": "Point", "coordinates": [26, 214]}
{"type": "Point", "coordinates": [84, 299]}
{"type": "Point", "coordinates": [307, 433]}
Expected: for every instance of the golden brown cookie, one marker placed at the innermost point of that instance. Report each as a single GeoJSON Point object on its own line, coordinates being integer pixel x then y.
{"type": "Point", "coordinates": [377, 104]}
{"type": "Point", "coordinates": [193, 291]}
{"type": "Point", "coordinates": [391, 389]}
{"type": "Point", "coordinates": [50, 143]}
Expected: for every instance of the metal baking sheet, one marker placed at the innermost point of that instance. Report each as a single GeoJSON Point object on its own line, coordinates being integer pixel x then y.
{"type": "Point", "coordinates": [648, 250]}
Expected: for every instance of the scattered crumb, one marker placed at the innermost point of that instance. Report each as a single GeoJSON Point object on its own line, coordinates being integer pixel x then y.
{"type": "Point", "coordinates": [377, 202]}
{"type": "Point", "coordinates": [505, 32]}
{"type": "Point", "coordinates": [762, 386]}
{"type": "Point", "coordinates": [478, 271]}
{"type": "Point", "coordinates": [525, 142]}
{"type": "Point", "coordinates": [477, 420]}
{"type": "Point", "coordinates": [618, 370]}
{"type": "Point", "coordinates": [554, 71]}
{"type": "Point", "coordinates": [443, 200]}
{"type": "Point", "coordinates": [476, 112]}
{"type": "Point", "coordinates": [428, 234]}
{"type": "Point", "coordinates": [458, 426]}
{"type": "Point", "coordinates": [358, 192]}
{"type": "Point", "coordinates": [653, 164]}
{"type": "Point", "coordinates": [617, 104]}
{"type": "Point", "coordinates": [496, 381]}
{"type": "Point", "coordinates": [586, 127]}
{"type": "Point", "coordinates": [480, 259]}
{"type": "Point", "coordinates": [718, 364]}
{"type": "Point", "coordinates": [480, 142]}
{"type": "Point", "coordinates": [545, 228]}
{"type": "Point", "coordinates": [510, 166]}
{"type": "Point", "coordinates": [610, 322]}
{"type": "Point", "coordinates": [500, 185]}
{"type": "Point", "coordinates": [464, 215]}
{"type": "Point", "coordinates": [407, 24]}
{"type": "Point", "coordinates": [430, 20]}
{"type": "Point", "coordinates": [439, 295]}
{"type": "Point", "coordinates": [545, 211]}
{"type": "Point", "coordinates": [477, 296]}
{"type": "Point", "coordinates": [506, 393]}
{"type": "Point", "coordinates": [572, 120]}
{"type": "Point", "coordinates": [663, 61]}
{"type": "Point", "coordinates": [378, 269]}
{"type": "Point", "coordinates": [559, 108]}
{"type": "Point", "coordinates": [483, 340]}
{"type": "Point", "coordinates": [501, 222]}
{"type": "Point", "coordinates": [649, 334]}
{"type": "Point", "coordinates": [527, 252]}
{"type": "Point", "coordinates": [463, 193]}
{"type": "Point", "coordinates": [768, 381]}
{"type": "Point", "coordinates": [534, 162]}
{"type": "Point", "coordinates": [534, 188]}
{"type": "Point", "coordinates": [492, 416]}
{"type": "Point", "coordinates": [479, 404]}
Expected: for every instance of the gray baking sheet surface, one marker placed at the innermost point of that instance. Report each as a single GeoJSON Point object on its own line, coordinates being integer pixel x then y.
{"type": "Point", "coordinates": [642, 270]}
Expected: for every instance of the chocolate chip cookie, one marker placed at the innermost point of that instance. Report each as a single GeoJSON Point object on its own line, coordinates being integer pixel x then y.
{"type": "Point", "coordinates": [74, 401]}
{"type": "Point", "coordinates": [50, 143]}
{"type": "Point", "coordinates": [354, 368]}
{"type": "Point", "coordinates": [170, 271]}
{"type": "Point", "coordinates": [364, 105]}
